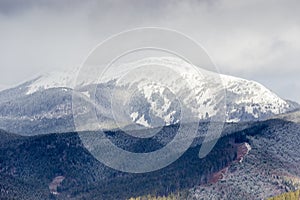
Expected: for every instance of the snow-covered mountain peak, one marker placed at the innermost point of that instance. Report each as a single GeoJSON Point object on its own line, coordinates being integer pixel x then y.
{"type": "Point", "coordinates": [67, 78]}
{"type": "Point", "coordinates": [253, 97]}
{"type": "Point", "coordinates": [250, 94]}
{"type": "Point", "coordinates": [153, 104]}
{"type": "Point", "coordinates": [53, 79]}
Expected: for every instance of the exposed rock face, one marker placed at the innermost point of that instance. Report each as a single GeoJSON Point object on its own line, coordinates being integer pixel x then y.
{"type": "Point", "coordinates": [243, 150]}
{"type": "Point", "coordinates": [55, 184]}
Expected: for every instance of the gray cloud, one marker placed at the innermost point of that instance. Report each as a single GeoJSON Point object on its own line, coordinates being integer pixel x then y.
{"type": "Point", "coordinates": [257, 40]}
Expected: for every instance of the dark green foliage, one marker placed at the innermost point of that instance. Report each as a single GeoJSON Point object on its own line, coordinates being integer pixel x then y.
{"type": "Point", "coordinates": [31, 163]}
{"type": "Point", "coordinates": [35, 161]}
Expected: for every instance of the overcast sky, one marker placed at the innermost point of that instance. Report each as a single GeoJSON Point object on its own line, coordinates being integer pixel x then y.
{"type": "Point", "coordinates": [257, 40]}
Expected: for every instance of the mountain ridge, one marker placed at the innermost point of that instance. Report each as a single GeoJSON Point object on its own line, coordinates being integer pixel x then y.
{"type": "Point", "coordinates": [46, 101]}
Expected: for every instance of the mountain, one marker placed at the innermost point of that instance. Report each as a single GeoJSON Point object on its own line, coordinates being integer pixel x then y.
{"type": "Point", "coordinates": [253, 160]}
{"type": "Point", "coordinates": [38, 161]}
{"type": "Point", "coordinates": [44, 105]}
{"type": "Point", "coordinates": [270, 168]}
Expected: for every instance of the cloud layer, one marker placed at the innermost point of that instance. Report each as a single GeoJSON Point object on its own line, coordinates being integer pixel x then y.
{"type": "Point", "coordinates": [257, 40]}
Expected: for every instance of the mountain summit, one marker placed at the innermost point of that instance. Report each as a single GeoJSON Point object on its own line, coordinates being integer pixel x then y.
{"type": "Point", "coordinates": [44, 104]}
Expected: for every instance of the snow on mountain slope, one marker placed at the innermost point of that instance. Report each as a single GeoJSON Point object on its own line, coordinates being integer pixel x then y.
{"type": "Point", "coordinates": [246, 100]}
{"type": "Point", "coordinates": [150, 105]}
{"type": "Point", "coordinates": [250, 97]}
{"type": "Point", "coordinates": [53, 80]}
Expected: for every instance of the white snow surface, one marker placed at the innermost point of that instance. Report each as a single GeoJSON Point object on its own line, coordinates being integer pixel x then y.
{"type": "Point", "coordinates": [243, 97]}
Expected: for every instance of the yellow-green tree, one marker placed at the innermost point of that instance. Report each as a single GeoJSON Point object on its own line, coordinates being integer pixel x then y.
{"type": "Point", "coordinates": [288, 196]}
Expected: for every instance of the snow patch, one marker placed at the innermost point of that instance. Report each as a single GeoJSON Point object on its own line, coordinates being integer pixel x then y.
{"type": "Point", "coordinates": [143, 122]}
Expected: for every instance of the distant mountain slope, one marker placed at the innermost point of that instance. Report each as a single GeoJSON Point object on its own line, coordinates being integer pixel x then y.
{"type": "Point", "coordinates": [270, 168]}
{"type": "Point", "coordinates": [44, 105]}
{"type": "Point", "coordinates": [257, 161]}
{"type": "Point", "coordinates": [37, 160]}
